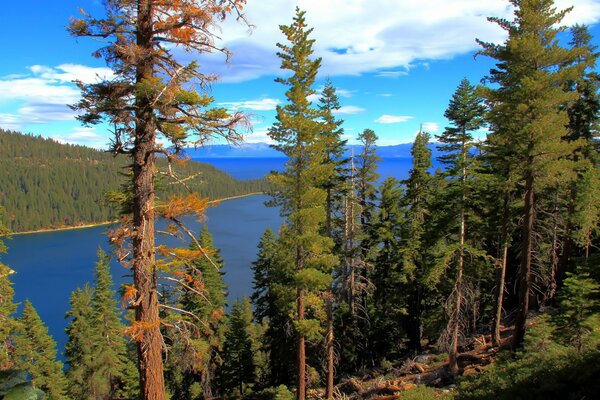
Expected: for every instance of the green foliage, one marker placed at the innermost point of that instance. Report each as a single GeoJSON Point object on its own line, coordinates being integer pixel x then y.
{"type": "Point", "coordinates": [7, 307]}
{"type": "Point", "coordinates": [239, 367]}
{"type": "Point", "coordinates": [273, 299]}
{"type": "Point", "coordinates": [196, 335]}
{"type": "Point", "coordinates": [300, 188]}
{"type": "Point", "coordinates": [97, 352]}
{"type": "Point", "coordinates": [36, 354]}
{"type": "Point", "coordinates": [53, 184]}
{"type": "Point", "coordinates": [15, 386]}
{"type": "Point", "coordinates": [554, 362]}
{"type": "Point", "coordinates": [280, 392]}
{"type": "Point", "coordinates": [579, 308]}
{"type": "Point", "coordinates": [422, 392]}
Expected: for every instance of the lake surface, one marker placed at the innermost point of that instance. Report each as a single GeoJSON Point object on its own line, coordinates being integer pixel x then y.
{"type": "Point", "coordinates": [51, 265]}
{"type": "Point", "coordinates": [251, 168]}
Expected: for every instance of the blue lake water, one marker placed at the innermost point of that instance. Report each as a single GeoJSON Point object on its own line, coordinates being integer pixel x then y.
{"type": "Point", "coordinates": [250, 168]}
{"type": "Point", "coordinates": [50, 265]}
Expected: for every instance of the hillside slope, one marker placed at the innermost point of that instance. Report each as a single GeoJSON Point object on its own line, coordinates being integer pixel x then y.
{"type": "Point", "coordinates": [46, 184]}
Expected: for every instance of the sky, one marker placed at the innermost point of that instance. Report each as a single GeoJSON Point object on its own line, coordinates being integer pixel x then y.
{"type": "Point", "coordinates": [395, 63]}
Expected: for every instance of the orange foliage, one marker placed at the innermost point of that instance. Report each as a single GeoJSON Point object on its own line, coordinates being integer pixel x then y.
{"type": "Point", "coordinates": [217, 314]}
{"type": "Point", "coordinates": [137, 328]}
{"type": "Point", "coordinates": [129, 295]}
{"type": "Point", "coordinates": [177, 207]}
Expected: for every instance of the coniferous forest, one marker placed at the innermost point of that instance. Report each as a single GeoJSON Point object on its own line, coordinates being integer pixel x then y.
{"type": "Point", "coordinates": [478, 280]}
{"type": "Point", "coordinates": [51, 185]}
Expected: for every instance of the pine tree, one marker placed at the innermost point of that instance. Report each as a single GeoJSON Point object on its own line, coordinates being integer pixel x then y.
{"type": "Point", "coordinates": [36, 354]}
{"type": "Point", "coordinates": [7, 307]}
{"type": "Point", "coordinates": [584, 117]}
{"type": "Point", "coordinates": [412, 249]}
{"type": "Point", "coordinates": [299, 187]}
{"type": "Point", "coordinates": [332, 132]}
{"type": "Point", "coordinates": [272, 298]}
{"type": "Point", "coordinates": [526, 116]}
{"type": "Point", "coordinates": [152, 93]}
{"type": "Point", "coordinates": [579, 304]}
{"type": "Point", "coordinates": [197, 336]}
{"type": "Point", "coordinates": [238, 359]}
{"type": "Point", "coordinates": [79, 350]}
{"type": "Point", "coordinates": [466, 113]}
{"type": "Point", "coordinates": [97, 353]}
{"type": "Point", "coordinates": [387, 305]}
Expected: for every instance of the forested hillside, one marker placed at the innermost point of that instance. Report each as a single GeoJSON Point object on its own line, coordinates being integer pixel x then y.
{"type": "Point", "coordinates": [46, 184]}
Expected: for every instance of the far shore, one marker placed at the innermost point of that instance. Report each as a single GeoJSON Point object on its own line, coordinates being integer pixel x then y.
{"type": "Point", "coordinates": [85, 226]}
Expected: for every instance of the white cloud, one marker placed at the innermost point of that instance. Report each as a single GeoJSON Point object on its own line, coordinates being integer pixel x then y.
{"type": "Point", "coordinates": [344, 92]}
{"type": "Point", "coordinates": [266, 104]}
{"type": "Point", "coordinates": [84, 136]}
{"type": "Point", "coordinates": [44, 94]}
{"type": "Point", "coordinates": [381, 36]}
{"type": "Point", "coordinates": [72, 72]}
{"type": "Point", "coordinates": [430, 127]}
{"type": "Point", "coordinates": [258, 136]}
{"type": "Point", "coordinates": [348, 110]}
{"type": "Point", "coordinates": [393, 119]}
{"type": "Point", "coordinates": [10, 122]}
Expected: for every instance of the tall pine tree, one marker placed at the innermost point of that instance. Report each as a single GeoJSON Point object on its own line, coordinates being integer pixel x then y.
{"type": "Point", "coordinates": [153, 94]}
{"type": "Point", "coordinates": [527, 117]}
{"type": "Point", "coordinates": [36, 354]}
{"type": "Point", "coordinates": [299, 188]}
{"type": "Point", "coordinates": [466, 113]}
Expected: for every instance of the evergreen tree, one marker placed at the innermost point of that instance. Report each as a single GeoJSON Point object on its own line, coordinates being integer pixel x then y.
{"type": "Point", "coordinates": [466, 113]}
{"type": "Point", "coordinates": [154, 93]}
{"type": "Point", "coordinates": [299, 188]}
{"type": "Point", "coordinates": [36, 354]}
{"type": "Point", "coordinates": [197, 336]}
{"type": "Point", "coordinates": [7, 307]}
{"type": "Point", "coordinates": [332, 132]}
{"type": "Point", "coordinates": [387, 305]}
{"type": "Point", "coordinates": [579, 306]}
{"type": "Point", "coordinates": [97, 353]}
{"type": "Point", "coordinates": [527, 119]}
{"type": "Point", "coordinates": [79, 350]}
{"type": "Point", "coordinates": [239, 368]}
{"type": "Point", "coordinates": [584, 116]}
{"type": "Point", "coordinates": [272, 298]}
{"type": "Point", "coordinates": [412, 249]}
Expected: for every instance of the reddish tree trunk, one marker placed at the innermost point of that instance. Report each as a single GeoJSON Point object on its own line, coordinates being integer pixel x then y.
{"type": "Point", "coordinates": [525, 267]}
{"type": "Point", "coordinates": [149, 345]}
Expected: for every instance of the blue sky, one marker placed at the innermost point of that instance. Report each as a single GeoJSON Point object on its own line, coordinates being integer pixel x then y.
{"type": "Point", "coordinates": [395, 62]}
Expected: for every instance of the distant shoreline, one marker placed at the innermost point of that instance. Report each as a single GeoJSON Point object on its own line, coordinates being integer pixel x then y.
{"type": "Point", "coordinates": [85, 226]}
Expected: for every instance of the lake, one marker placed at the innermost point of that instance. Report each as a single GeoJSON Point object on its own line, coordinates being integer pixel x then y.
{"type": "Point", "coordinates": [50, 265]}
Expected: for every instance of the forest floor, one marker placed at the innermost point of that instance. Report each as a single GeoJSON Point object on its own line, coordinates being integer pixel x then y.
{"type": "Point", "coordinates": [430, 368]}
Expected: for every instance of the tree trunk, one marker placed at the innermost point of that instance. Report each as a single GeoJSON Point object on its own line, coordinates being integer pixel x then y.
{"type": "Point", "coordinates": [501, 276]}
{"type": "Point", "coordinates": [453, 353]}
{"type": "Point", "coordinates": [568, 245]}
{"type": "Point", "coordinates": [525, 267]}
{"type": "Point", "coordinates": [149, 345]}
{"type": "Point", "coordinates": [414, 319]}
{"type": "Point", "coordinates": [301, 393]}
{"type": "Point", "coordinates": [329, 349]}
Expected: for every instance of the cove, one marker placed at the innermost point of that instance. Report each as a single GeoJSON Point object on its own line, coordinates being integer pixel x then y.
{"type": "Point", "coordinates": [50, 265]}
